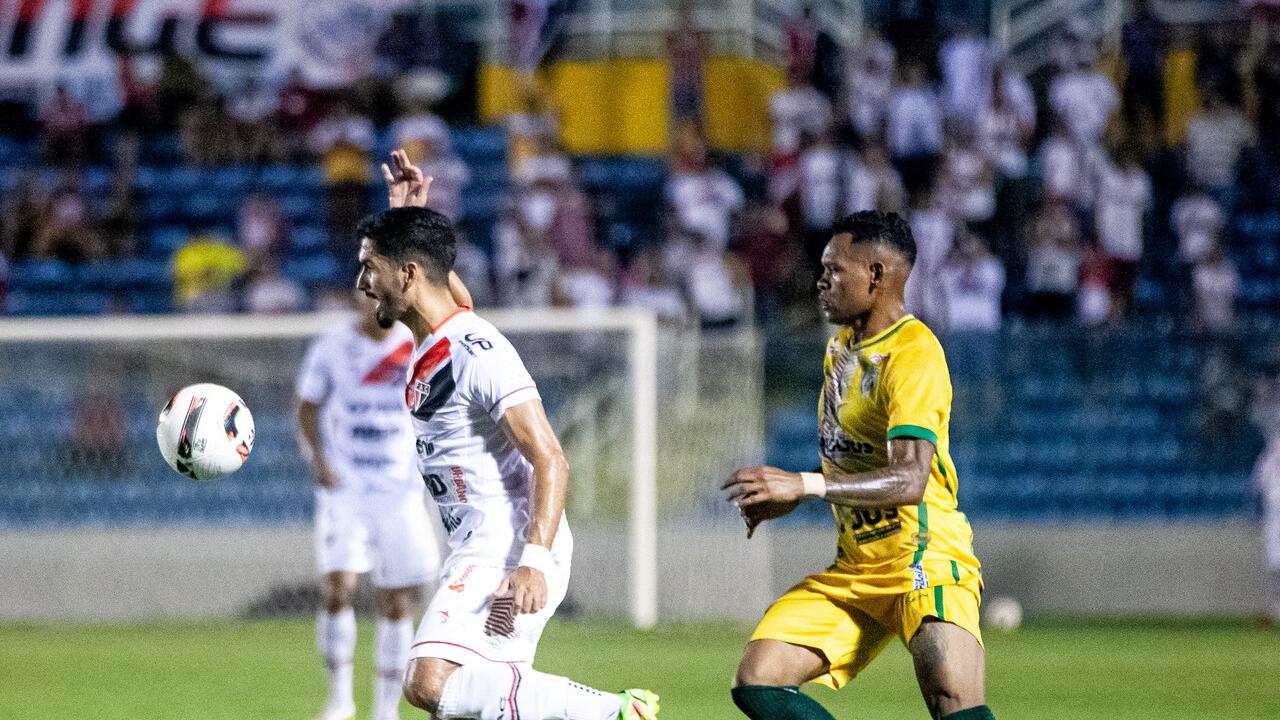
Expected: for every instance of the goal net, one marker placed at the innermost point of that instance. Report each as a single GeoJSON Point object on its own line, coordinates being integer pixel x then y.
{"type": "Point", "coordinates": [652, 419]}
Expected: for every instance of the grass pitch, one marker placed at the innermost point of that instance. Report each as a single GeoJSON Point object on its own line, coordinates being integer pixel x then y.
{"type": "Point", "coordinates": [269, 669]}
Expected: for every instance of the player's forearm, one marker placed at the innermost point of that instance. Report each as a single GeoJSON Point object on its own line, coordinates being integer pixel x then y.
{"type": "Point", "coordinates": [309, 442]}
{"type": "Point", "coordinates": [550, 486]}
{"type": "Point", "coordinates": [883, 488]}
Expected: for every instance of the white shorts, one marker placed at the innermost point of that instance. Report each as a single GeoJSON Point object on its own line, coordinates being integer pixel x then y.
{"type": "Point", "coordinates": [453, 627]}
{"type": "Point", "coordinates": [389, 535]}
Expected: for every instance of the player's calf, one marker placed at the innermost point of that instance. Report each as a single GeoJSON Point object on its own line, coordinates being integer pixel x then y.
{"type": "Point", "coordinates": [767, 685]}
{"type": "Point", "coordinates": [949, 668]}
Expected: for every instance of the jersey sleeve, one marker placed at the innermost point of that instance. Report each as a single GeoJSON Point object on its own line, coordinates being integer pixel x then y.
{"type": "Point", "coordinates": [315, 380]}
{"type": "Point", "coordinates": [919, 391]}
{"type": "Point", "coordinates": [497, 378]}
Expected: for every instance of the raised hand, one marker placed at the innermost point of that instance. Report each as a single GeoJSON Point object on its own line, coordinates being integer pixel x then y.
{"type": "Point", "coordinates": [406, 185]}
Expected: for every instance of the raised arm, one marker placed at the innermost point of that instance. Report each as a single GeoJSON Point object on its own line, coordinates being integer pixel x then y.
{"type": "Point", "coordinates": [408, 187]}
{"type": "Point", "coordinates": [527, 427]}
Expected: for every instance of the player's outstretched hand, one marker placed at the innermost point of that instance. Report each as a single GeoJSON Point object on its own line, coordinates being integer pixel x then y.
{"type": "Point", "coordinates": [764, 493]}
{"type": "Point", "coordinates": [406, 186]}
{"type": "Point", "coordinates": [528, 588]}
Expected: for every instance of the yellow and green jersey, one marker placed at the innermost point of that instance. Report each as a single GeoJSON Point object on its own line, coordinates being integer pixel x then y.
{"type": "Point", "coordinates": [894, 385]}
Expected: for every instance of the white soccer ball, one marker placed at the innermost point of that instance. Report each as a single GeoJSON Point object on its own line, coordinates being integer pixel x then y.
{"type": "Point", "coordinates": [1003, 613]}
{"type": "Point", "coordinates": [205, 432]}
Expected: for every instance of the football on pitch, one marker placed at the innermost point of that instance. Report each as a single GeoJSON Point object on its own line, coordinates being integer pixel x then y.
{"type": "Point", "coordinates": [205, 432]}
{"type": "Point", "coordinates": [1003, 612]}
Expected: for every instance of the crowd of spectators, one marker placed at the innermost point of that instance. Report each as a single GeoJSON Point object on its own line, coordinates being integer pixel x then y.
{"type": "Point", "coordinates": [1034, 200]}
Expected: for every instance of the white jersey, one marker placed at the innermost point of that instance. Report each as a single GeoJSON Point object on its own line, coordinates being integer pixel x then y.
{"type": "Point", "coordinates": [358, 383]}
{"type": "Point", "coordinates": [464, 376]}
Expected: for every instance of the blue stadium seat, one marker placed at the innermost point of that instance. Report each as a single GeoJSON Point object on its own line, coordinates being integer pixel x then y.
{"type": "Point", "coordinates": [42, 275]}
{"type": "Point", "coordinates": [308, 240]}
{"type": "Point", "coordinates": [301, 206]}
{"type": "Point", "coordinates": [162, 241]}
{"type": "Point", "coordinates": [318, 269]}
{"type": "Point", "coordinates": [476, 145]}
{"type": "Point", "coordinates": [56, 302]}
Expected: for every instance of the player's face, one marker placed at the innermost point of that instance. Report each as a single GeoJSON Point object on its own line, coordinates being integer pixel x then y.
{"type": "Point", "coordinates": [379, 280]}
{"type": "Point", "coordinates": [845, 287]}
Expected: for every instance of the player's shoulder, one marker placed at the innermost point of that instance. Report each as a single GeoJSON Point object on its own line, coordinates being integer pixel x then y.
{"type": "Point", "coordinates": [914, 339]}
{"type": "Point", "coordinates": [472, 337]}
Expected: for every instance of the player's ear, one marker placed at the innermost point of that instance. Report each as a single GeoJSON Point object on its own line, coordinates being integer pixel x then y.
{"type": "Point", "coordinates": [409, 270]}
{"type": "Point", "coordinates": [877, 273]}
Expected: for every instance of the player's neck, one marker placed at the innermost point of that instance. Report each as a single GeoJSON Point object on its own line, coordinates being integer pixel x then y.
{"type": "Point", "coordinates": [428, 309]}
{"type": "Point", "coordinates": [370, 328]}
{"type": "Point", "coordinates": [877, 320]}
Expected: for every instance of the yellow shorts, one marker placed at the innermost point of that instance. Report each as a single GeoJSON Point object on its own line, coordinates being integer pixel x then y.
{"type": "Point", "coordinates": [849, 621]}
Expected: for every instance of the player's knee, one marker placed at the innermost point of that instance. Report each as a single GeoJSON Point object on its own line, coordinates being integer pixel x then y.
{"type": "Point", "coordinates": [752, 672]}
{"type": "Point", "coordinates": [424, 682]}
{"type": "Point", "coordinates": [337, 592]}
{"type": "Point", "coordinates": [396, 604]}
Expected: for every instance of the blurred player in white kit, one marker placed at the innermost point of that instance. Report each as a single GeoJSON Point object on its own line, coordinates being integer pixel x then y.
{"type": "Point", "coordinates": [489, 457]}
{"type": "Point", "coordinates": [1266, 415]}
{"type": "Point", "coordinates": [370, 512]}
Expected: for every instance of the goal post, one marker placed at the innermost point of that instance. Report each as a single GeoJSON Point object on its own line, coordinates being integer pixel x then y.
{"type": "Point", "coordinates": [135, 336]}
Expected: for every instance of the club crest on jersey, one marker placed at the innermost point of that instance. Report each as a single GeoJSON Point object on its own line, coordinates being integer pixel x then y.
{"type": "Point", "coordinates": [431, 384]}
{"type": "Point", "coordinates": [870, 376]}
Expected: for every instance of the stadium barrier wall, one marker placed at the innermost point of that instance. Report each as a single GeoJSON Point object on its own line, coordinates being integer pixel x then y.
{"type": "Point", "coordinates": [183, 572]}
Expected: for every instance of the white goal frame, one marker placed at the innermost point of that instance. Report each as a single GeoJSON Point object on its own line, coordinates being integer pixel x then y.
{"type": "Point", "coordinates": [642, 343]}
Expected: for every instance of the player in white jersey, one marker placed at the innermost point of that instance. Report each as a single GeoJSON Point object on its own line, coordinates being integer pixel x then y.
{"type": "Point", "coordinates": [370, 513]}
{"type": "Point", "coordinates": [489, 456]}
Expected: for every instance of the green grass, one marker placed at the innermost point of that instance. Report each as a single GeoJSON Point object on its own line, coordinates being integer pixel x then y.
{"type": "Point", "coordinates": [268, 669]}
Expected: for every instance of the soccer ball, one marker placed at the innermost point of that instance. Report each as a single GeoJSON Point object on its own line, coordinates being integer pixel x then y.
{"type": "Point", "coordinates": [1003, 613]}
{"type": "Point", "coordinates": [205, 432]}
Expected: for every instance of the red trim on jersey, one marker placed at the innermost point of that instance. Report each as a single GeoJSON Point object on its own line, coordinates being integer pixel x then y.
{"type": "Point", "coordinates": [431, 359]}
{"type": "Point", "coordinates": [461, 309]}
{"type": "Point", "coordinates": [513, 392]}
{"type": "Point", "coordinates": [390, 367]}
{"type": "Point", "coordinates": [464, 647]}
{"type": "Point", "coordinates": [515, 686]}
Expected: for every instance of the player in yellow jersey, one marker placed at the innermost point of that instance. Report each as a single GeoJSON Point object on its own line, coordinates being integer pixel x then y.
{"type": "Point", "coordinates": [904, 561]}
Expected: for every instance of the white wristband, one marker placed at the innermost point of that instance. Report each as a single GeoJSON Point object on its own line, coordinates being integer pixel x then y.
{"type": "Point", "coordinates": [815, 485]}
{"type": "Point", "coordinates": [537, 557]}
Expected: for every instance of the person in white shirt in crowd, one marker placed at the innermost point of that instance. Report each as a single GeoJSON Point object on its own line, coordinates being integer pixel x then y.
{"type": "Point", "coordinates": [647, 285]}
{"type": "Point", "coordinates": [251, 108]}
{"type": "Point", "coordinates": [965, 62]}
{"type": "Point", "coordinates": [1085, 99]}
{"type": "Point", "coordinates": [1216, 135]}
{"type": "Point", "coordinates": [424, 135]}
{"type": "Point", "coordinates": [525, 266]}
{"type": "Point", "coordinates": [797, 109]}
{"type": "Point", "coordinates": [262, 231]}
{"type": "Point", "coordinates": [934, 228]}
{"type": "Point", "coordinates": [913, 127]}
{"type": "Point", "coordinates": [966, 179]}
{"type": "Point", "coordinates": [1197, 220]}
{"type": "Point", "coordinates": [1265, 414]}
{"type": "Point", "coordinates": [715, 282]}
{"type": "Point", "coordinates": [270, 292]}
{"type": "Point", "coordinates": [873, 183]}
{"type": "Point", "coordinates": [869, 74]}
{"type": "Point", "coordinates": [823, 169]}
{"type": "Point", "coordinates": [1215, 283]}
{"type": "Point", "coordinates": [972, 282]}
{"type": "Point", "coordinates": [1069, 169]}
{"type": "Point", "coordinates": [1054, 256]}
{"type": "Point", "coordinates": [593, 286]}
{"type": "Point", "coordinates": [1006, 124]}
{"type": "Point", "coordinates": [696, 186]}
{"type": "Point", "coordinates": [1124, 198]}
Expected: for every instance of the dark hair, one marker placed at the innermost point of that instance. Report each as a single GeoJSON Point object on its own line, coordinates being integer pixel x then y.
{"type": "Point", "coordinates": [869, 226]}
{"type": "Point", "coordinates": [411, 232]}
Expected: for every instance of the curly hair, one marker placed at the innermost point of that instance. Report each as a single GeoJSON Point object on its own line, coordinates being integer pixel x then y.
{"type": "Point", "coordinates": [874, 226]}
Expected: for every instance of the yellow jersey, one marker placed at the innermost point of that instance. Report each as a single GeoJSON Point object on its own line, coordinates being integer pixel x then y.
{"type": "Point", "coordinates": [893, 385]}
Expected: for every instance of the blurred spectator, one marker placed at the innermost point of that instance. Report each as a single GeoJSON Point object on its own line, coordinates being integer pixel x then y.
{"type": "Point", "coordinates": [20, 216]}
{"type": "Point", "coordinates": [140, 111]}
{"type": "Point", "coordinates": [1006, 124]}
{"type": "Point", "coordinates": [424, 135]}
{"type": "Point", "coordinates": [869, 79]}
{"type": "Point", "coordinates": [771, 258]}
{"type": "Point", "coordinates": [972, 282]}
{"type": "Point", "coordinates": [914, 128]}
{"type": "Point", "coordinates": [206, 273]}
{"type": "Point", "coordinates": [934, 230]}
{"type": "Point", "coordinates": [1216, 283]}
{"type": "Point", "coordinates": [1197, 220]}
{"type": "Point", "coordinates": [1084, 99]}
{"type": "Point", "coordinates": [686, 54]}
{"type": "Point", "coordinates": [1124, 197]}
{"type": "Point", "coordinates": [343, 141]}
{"type": "Point", "coordinates": [716, 283]}
{"type": "Point", "coordinates": [179, 88]}
{"type": "Point", "coordinates": [533, 128]}
{"type": "Point", "coordinates": [1217, 59]}
{"type": "Point", "coordinates": [554, 207]}
{"type": "Point", "coordinates": [63, 125]}
{"type": "Point", "coordinates": [525, 264]}
{"type": "Point", "coordinates": [65, 231]}
{"type": "Point", "coordinates": [411, 43]}
{"type": "Point", "coordinates": [967, 182]}
{"type": "Point", "coordinates": [99, 438]}
{"type": "Point", "coordinates": [696, 188]}
{"type": "Point", "coordinates": [1266, 88]}
{"type": "Point", "coordinates": [1075, 45]}
{"type": "Point", "coordinates": [1069, 169]}
{"type": "Point", "coordinates": [269, 292]}
{"type": "Point", "coordinates": [873, 183]}
{"type": "Point", "coordinates": [823, 170]}
{"type": "Point", "coordinates": [1265, 414]}
{"type": "Point", "coordinates": [251, 108]}
{"type": "Point", "coordinates": [1215, 137]}
{"type": "Point", "coordinates": [4, 278]}
{"type": "Point", "coordinates": [1143, 41]}
{"type": "Point", "coordinates": [798, 109]}
{"type": "Point", "coordinates": [589, 286]}
{"type": "Point", "coordinates": [118, 226]}
{"type": "Point", "coordinates": [472, 265]}
{"type": "Point", "coordinates": [527, 20]}
{"type": "Point", "coordinates": [1053, 262]}
{"type": "Point", "coordinates": [298, 109]}
{"type": "Point", "coordinates": [802, 44]}
{"type": "Point", "coordinates": [262, 231]}
{"type": "Point", "coordinates": [966, 66]}
{"type": "Point", "coordinates": [207, 134]}
{"type": "Point", "coordinates": [1094, 299]}
{"type": "Point", "coordinates": [646, 285]}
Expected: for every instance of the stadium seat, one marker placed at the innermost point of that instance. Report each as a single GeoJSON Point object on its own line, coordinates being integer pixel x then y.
{"type": "Point", "coordinates": [163, 240]}
{"type": "Point", "coordinates": [308, 240]}
{"type": "Point", "coordinates": [318, 269]}
{"type": "Point", "coordinates": [42, 275]}
{"type": "Point", "coordinates": [476, 145]}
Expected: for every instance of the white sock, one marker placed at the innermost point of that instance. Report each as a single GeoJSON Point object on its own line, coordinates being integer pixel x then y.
{"type": "Point", "coordinates": [391, 655]}
{"type": "Point", "coordinates": [485, 690]}
{"type": "Point", "coordinates": [336, 637]}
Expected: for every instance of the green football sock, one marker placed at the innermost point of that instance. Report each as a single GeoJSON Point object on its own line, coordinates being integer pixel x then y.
{"type": "Point", "coordinates": [769, 702]}
{"type": "Point", "coordinates": [981, 712]}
